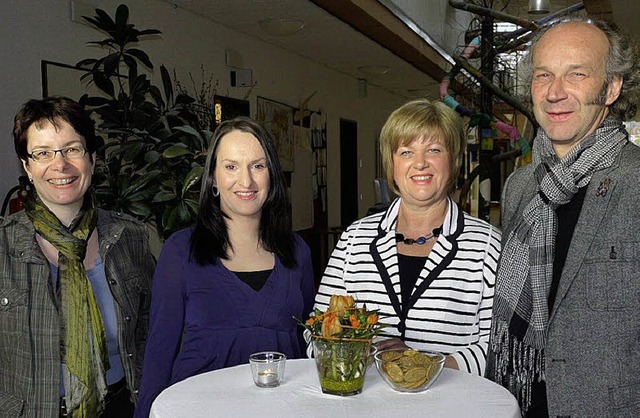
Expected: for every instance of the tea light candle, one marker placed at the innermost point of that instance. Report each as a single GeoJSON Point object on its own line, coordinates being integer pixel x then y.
{"type": "Point", "coordinates": [267, 377]}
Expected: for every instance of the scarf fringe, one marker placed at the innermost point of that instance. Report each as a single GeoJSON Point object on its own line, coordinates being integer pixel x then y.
{"type": "Point", "coordinates": [520, 311]}
{"type": "Point", "coordinates": [516, 364]}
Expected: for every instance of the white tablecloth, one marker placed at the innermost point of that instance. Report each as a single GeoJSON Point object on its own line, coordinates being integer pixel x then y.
{"type": "Point", "coordinates": [231, 392]}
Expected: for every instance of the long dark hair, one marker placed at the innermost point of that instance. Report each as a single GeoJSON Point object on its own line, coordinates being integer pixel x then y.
{"type": "Point", "coordinates": [210, 239]}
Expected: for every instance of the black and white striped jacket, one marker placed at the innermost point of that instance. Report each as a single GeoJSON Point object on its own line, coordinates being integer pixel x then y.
{"type": "Point", "coordinates": [453, 314]}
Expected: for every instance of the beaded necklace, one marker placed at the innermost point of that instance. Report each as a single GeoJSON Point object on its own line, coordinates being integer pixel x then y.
{"type": "Point", "coordinates": [420, 240]}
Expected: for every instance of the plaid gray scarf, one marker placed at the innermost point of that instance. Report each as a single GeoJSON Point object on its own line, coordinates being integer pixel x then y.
{"type": "Point", "coordinates": [520, 307]}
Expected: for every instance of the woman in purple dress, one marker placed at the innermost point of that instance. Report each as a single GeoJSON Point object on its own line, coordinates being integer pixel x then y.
{"type": "Point", "coordinates": [231, 285]}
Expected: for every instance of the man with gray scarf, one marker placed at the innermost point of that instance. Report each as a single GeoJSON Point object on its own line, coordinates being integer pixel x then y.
{"type": "Point", "coordinates": [565, 337]}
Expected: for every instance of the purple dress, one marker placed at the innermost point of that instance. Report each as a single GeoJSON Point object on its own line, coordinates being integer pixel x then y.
{"type": "Point", "coordinates": [223, 319]}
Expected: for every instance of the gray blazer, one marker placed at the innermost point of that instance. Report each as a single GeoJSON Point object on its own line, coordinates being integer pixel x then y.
{"type": "Point", "coordinates": [593, 346]}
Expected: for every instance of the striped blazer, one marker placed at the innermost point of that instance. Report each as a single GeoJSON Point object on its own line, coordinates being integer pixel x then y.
{"type": "Point", "coordinates": [452, 315]}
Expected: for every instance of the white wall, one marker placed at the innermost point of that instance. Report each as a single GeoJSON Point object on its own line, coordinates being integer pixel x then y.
{"type": "Point", "coordinates": [33, 30]}
{"type": "Point", "coordinates": [444, 24]}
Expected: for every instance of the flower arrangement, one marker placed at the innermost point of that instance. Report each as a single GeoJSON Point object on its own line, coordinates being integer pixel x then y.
{"type": "Point", "coordinates": [341, 338]}
{"type": "Point", "coordinates": [343, 319]}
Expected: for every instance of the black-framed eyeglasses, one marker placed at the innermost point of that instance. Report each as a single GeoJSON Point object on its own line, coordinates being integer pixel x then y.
{"type": "Point", "coordinates": [72, 153]}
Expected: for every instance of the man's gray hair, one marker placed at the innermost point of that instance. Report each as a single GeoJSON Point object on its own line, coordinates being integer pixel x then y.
{"type": "Point", "coordinates": [623, 61]}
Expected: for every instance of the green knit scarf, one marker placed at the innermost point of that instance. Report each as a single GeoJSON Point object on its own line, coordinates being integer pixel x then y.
{"type": "Point", "coordinates": [84, 342]}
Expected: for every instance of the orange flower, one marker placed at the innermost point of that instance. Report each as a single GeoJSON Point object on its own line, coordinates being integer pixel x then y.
{"type": "Point", "coordinates": [331, 325]}
{"type": "Point", "coordinates": [343, 319]}
{"type": "Point", "coordinates": [339, 303]}
{"type": "Point", "coordinates": [354, 321]}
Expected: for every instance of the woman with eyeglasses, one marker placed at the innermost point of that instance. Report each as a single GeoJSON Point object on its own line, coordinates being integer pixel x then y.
{"type": "Point", "coordinates": [75, 281]}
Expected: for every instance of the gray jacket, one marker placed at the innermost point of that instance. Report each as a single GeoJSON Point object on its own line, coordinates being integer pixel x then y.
{"type": "Point", "coordinates": [593, 346]}
{"type": "Point", "coordinates": [30, 320]}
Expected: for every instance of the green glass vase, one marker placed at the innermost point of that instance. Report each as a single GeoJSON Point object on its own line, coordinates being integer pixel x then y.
{"type": "Point", "coordinates": [341, 364]}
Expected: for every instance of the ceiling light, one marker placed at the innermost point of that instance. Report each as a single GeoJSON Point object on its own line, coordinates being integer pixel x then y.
{"type": "Point", "coordinates": [538, 7]}
{"type": "Point", "coordinates": [281, 26]}
{"type": "Point", "coordinates": [374, 69]}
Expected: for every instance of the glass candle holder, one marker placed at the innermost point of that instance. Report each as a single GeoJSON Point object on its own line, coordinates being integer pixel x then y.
{"type": "Point", "coordinates": [267, 368]}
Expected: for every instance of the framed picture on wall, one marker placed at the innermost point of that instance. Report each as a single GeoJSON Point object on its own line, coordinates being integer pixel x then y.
{"type": "Point", "coordinates": [277, 118]}
{"type": "Point", "coordinates": [59, 79]}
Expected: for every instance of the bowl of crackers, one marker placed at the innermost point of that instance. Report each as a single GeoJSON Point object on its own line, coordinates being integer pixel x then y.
{"type": "Point", "coordinates": [409, 370]}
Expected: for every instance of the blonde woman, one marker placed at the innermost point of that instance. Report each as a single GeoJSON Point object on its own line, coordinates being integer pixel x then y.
{"type": "Point", "coordinates": [424, 263]}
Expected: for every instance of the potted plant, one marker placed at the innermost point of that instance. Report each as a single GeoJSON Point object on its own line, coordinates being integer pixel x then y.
{"type": "Point", "coordinates": [341, 338]}
{"type": "Point", "coordinates": [154, 149]}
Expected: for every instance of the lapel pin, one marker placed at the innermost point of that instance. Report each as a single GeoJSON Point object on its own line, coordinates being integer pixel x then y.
{"type": "Point", "coordinates": [603, 188]}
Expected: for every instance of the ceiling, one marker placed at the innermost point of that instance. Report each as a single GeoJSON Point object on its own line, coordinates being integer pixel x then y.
{"type": "Point", "coordinates": [346, 35]}
{"type": "Point", "coordinates": [324, 39]}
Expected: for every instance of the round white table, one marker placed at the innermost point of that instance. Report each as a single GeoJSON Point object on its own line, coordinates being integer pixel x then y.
{"type": "Point", "coordinates": [231, 392]}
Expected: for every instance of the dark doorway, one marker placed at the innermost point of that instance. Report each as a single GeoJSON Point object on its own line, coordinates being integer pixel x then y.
{"type": "Point", "coordinates": [348, 172]}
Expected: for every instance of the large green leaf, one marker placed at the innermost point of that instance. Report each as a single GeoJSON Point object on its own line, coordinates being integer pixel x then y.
{"type": "Point", "coordinates": [167, 183]}
{"type": "Point", "coordinates": [132, 149]}
{"type": "Point", "coordinates": [169, 218]}
{"type": "Point", "coordinates": [132, 65]}
{"type": "Point", "coordinates": [124, 180]}
{"type": "Point", "coordinates": [183, 213]}
{"type": "Point", "coordinates": [144, 195]}
{"type": "Point", "coordinates": [192, 178]}
{"type": "Point", "coordinates": [149, 32]}
{"type": "Point", "coordinates": [104, 83]}
{"type": "Point", "coordinates": [104, 21]}
{"type": "Point", "coordinates": [122, 16]}
{"type": "Point", "coordinates": [141, 56]}
{"type": "Point", "coordinates": [157, 97]}
{"type": "Point", "coordinates": [85, 63]}
{"type": "Point", "coordinates": [163, 196]}
{"type": "Point", "coordinates": [141, 209]}
{"type": "Point", "coordinates": [167, 84]}
{"type": "Point", "coordinates": [188, 130]}
{"type": "Point", "coordinates": [141, 183]}
{"type": "Point", "coordinates": [193, 205]}
{"type": "Point", "coordinates": [175, 151]}
{"type": "Point", "coordinates": [152, 156]}
{"type": "Point", "coordinates": [139, 86]}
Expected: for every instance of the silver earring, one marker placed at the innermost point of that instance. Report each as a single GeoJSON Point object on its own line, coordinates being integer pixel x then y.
{"type": "Point", "coordinates": [216, 192]}
{"type": "Point", "coordinates": [30, 179]}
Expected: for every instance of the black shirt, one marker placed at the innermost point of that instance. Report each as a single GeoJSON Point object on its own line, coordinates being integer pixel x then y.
{"type": "Point", "coordinates": [409, 268]}
{"type": "Point", "coordinates": [255, 279]}
{"type": "Point", "coordinates": [567, 219]}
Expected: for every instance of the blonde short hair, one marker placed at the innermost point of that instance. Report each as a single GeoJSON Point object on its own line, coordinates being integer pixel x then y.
{"type": "Point", "coordinates": [422, 118]}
